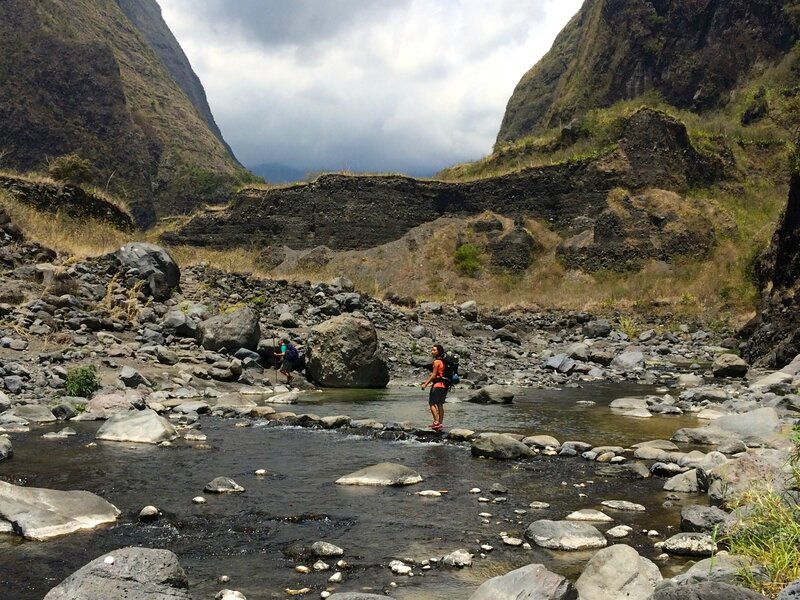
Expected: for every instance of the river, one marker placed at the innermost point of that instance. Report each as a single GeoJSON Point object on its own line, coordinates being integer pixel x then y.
{"type": "Point", "coordinates": [244, 536]}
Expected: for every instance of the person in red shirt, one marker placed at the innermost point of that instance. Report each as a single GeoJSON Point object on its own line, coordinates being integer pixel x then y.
{"type": "Point", "coordinates": [438, 389]}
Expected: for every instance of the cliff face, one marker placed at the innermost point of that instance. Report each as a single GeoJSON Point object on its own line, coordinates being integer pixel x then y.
{"type": "Point", "coordinates": [773, 337]}
{"type": "Point", "coordinates": [691, 52]}
{"type": "Point", "coordinates": [78, 76]}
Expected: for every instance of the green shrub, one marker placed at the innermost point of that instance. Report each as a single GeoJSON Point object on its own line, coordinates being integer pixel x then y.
{"type": "Point", "coordinates": [82, 381]}
{"type": "Point", "coordinates": [467, 259]}
{"type": "Point", "coordinates": [71, 168]}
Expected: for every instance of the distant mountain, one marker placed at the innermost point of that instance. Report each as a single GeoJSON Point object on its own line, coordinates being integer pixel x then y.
{"type": "Point", "coordinates": [107, 81]}
{"type": "Point", "coordinates": [276, 173]}
{"type": "Point", "coordinates": [691, 54]}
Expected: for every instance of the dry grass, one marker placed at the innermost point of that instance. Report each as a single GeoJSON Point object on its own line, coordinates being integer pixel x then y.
{"type": "Point", "coordinates": [65, 235]}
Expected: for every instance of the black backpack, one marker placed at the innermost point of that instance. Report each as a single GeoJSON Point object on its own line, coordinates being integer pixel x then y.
{"type": "Point", "coordinates": [450, 375]}
{"type": "Point", "coordinates": [292, 353]}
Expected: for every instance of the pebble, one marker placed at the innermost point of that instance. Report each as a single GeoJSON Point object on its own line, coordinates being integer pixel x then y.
{"type": "Point", "coordinates": [198, 500]}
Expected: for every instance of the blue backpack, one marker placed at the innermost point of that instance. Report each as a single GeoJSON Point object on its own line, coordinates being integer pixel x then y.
{"type": "Point", "coordinates": [292, 353]}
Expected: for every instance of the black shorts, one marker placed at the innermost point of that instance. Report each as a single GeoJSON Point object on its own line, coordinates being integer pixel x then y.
{"type": "Point", "coordinates": [287, 365]}
{"type": "Point", "coordinates": [438, 394]}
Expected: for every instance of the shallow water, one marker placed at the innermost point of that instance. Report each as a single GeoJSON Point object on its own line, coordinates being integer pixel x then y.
{"type": "Point", "coordinates": [243, 535]}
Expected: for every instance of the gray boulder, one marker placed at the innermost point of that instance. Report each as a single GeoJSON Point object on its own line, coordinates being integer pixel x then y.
{"type": "Point", "coordinates": [383, 474]}
{"type": "Point", "coordinates": [565, 535]}
{"type": "Point", "coordinates": [790, 592]}
{"type": "Point", "coordinates": [151, 264]}
{"type": "Point", "coordinates": [597, 329]}
{"type": "Point", "coordinates": [500, 446]}
{"type": "Point", "coordinates": [491, 394]}
{"type": "Point", "coordinates": [628, 361]}
{"type": "Point", "coordinates": [141, 426]}
{"type": "Point", "coordinates": [355, 596]}
{"type": "Point", "coordinates": [728, 482]}
{"type": "Point", "coordinates": [706, 591]}
{"type": "Point", "coordinates": [233, 330]}
{"type": "Point", "coordinates": [531, 582]}
{"type": "Point", "coordinates": [178, 323]}
{"type": "Point", "coordinates": [722, 568]}
{"type": "Point", "coordinates": [690, 544]}
{"type": "Point", "coordinates": [343, 352]}
{"type": "Point", "coordinates": [618, 573]}
{"type": "Point", "coordinates": [34, 413]}
{"type": "Point", "coordinates": [39, 513]}
{"type": "Point", "coordinates": [701, 518]}
{"type": "Point", "coordinates": [129, 573]}
{"type": "Point", "coordinates": [729, 365]}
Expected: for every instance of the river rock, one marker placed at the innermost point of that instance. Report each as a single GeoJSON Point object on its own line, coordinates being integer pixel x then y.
{"type": "Point", "coordinates": [531, 582]}
{"type": "Point", "coordinates": [458, 558]}
{"type": "Point", "coordinates": [632, 470]}
{"type": "Point", "coordinates": [131, 378]}
{"type": "Point", "coordinates": [728, 482]}
{"type": "Point", "coordinates": [223, 485]}
{"type": "Point", "coordinates": [326, 549]}
{"type": "Point", "coordinates": [355, 596]}
{"type": "Point", "coordinates": [104, 406]}
{"type": "Point", "coordinates": [141, 426]}
{"type": "Point", "coordinates": [597, 329]}
{"type": "Point", "coordinates": [729, 365]}
{"type": "Point", "coordinates": [39, 513]}
{"type": "Point", "coordinates": [565, 535]}
{"type": "Point", "coordinates": [790, 592]}
{"type": "Point", "coordinates": [618, 573]}
{"type": "Point", "coordinates": [179, 324]}
{"type": "Point", "coordinates": [722, 568]}
{"type": "Point", "coordinates": [683, 482]}
{"type": "Point", "coordinates": [690, 544]}
{"type": "Point", "coordinates": [491, 394]}
{"type": "Point", "coordinates": [701, 518]}
{"type": "Point", "coordinates": [629, 403]}
{"type": "Point", "coordinates": [232, 330]}
{"type": "Point", "coordinates": [6, 449]}
{"type": "Point", "coordinates": [33, 413]}
{"type": "Point", "coordinates": [589, 514]}
{"type": "Point", "coordinates": [230, 595]}
{"type": "Point", "coordinates": [628, 361]}
{"type": "Point", "coordinates": [130, 573]}
{"type": "Point", "coordinates": [151, 264]}
{"type": "Point", "coordinates": [344, 352]}
{"type": "Point", "coordinates": [383, 474]}
{"type": "Point", "coordinates": [623, 505]}
{"type": "Point", "coordinates": [706, 591]}
{"type": "Point", "coordinates": [500, 446]}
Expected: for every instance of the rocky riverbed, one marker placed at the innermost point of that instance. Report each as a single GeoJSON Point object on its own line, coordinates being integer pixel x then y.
{"type": "Point", "coordinates": [174, 349]}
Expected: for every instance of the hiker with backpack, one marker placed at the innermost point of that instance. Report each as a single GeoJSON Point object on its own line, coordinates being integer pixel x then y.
{"type": "Point", "coordinates": [288, 356]}
{"type": "Point", "coordinates": [443, 376]}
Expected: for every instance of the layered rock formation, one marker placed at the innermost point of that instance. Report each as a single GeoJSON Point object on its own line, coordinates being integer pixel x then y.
{"type": "Point", "coordinates": [344, 212]}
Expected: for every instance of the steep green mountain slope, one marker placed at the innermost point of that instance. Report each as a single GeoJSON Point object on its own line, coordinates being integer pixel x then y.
{"type": "Point", "coordinates": [691, 53]}
{"type": "Point", "coordinates": [80, 77]}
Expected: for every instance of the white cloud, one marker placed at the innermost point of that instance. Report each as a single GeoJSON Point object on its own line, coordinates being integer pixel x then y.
{"type": "Point", "coordinates": [349, 84]}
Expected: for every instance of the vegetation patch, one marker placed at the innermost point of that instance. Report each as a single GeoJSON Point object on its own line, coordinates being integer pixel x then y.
{"type": "Point", "coordinates": [82, 381]}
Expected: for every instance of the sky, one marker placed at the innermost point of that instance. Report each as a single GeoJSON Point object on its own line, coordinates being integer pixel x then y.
{"type": "Point", "coordinates": [407, 86]}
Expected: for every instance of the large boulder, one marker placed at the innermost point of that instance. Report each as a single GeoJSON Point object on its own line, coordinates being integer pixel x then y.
{"type": "Point", "coordinates": [151, 264]}
{"type": "Point", "coordinates": [491, 394]}
{"type": "Point", "coordinates": [344, 352]}
{"type": "Point", "coordinates": [383, 475]}
{"type": "Point", "coordinates": [565, 535]}
{"type": "Point", "coordinates": [729, 365]}
{"type": "Point", "coordinates": [6, 449]}
{"type": "Point", "coordinates": [141, 426]}
{"type": "Point", "coordinates": [39, 513]}
{"type": "Point", "coordinates": [618, 573]}
{"type": "Point", "coordinates": [708, 590]}
{"type": "Point", "coordinates": [728, 482]}
{"type": "Point", "coordinates": [531, 582]}
{"type": "Point", "coordinates": [231, 330]}
{"type": "Point", "coordinates": [130, 573]}
{"type": "Point", "coordinates": [500, 446]}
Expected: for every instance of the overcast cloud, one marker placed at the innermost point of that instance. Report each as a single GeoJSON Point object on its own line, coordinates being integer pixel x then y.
{"type": "Point", "coordinates": [365, 85]}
